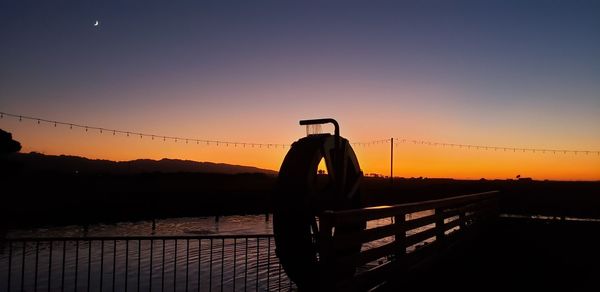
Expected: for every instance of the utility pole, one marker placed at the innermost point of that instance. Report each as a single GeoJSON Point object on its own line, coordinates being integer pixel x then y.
{"type": "Point", "coordinates": [392, 160]}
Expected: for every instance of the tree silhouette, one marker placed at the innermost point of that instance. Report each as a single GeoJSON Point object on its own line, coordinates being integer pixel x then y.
{"type": "Point", "coordinates": [7, 144]}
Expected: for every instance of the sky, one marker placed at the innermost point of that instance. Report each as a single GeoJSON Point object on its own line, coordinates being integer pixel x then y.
{"type": "Point", "coordinates": [500, 73]}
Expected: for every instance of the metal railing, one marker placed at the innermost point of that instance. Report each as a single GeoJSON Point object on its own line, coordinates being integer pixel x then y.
{"type": "Point", "coordinates": [142, 263]}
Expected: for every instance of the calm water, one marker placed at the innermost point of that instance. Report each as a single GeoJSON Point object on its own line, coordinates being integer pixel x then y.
{"type": "Point", "coordinates": [225, 225]}
{"type": "Point", "coordinates": [231, 225]}
{"type": "Point", "coordinates": [242, 264]}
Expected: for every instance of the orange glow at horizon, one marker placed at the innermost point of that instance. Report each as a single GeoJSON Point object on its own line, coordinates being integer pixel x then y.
{"type": "Point", "coordinates": [409, 160]}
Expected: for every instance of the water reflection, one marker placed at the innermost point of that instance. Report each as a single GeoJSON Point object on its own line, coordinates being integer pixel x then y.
{"type": "Point", "coordinates": [234, 225]}
{"type": "Point", "coordinates": [230, 263]}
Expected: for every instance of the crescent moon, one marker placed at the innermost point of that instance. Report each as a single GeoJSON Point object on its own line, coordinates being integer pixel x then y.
{"type": "Point", "coordinates": [97, 23]}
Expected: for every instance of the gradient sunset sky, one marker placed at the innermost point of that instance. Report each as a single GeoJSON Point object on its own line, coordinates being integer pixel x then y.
{"type": "Point", "coordinates": [500, 73]}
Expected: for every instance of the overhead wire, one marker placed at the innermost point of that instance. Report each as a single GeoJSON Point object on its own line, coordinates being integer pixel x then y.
{"type": "Point", "coordinates": [226, 143]}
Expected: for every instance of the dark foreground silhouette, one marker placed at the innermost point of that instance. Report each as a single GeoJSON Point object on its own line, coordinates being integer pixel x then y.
{"type": "Point", "coordinates": [514, 255]}
{"type": "Point", "coordinates": [557, 252]}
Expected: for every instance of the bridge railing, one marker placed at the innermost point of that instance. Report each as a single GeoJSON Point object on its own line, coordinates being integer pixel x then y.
{"type": "Point", "coordinates": [142, 263]}
{"type": "Point", "coordinates": [415, 233]}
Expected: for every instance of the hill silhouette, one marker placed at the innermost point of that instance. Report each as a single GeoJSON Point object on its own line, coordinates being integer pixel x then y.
{"type": "Point", "coordinates": [36, 162]}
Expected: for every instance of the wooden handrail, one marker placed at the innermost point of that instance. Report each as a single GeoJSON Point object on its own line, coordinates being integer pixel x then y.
{"type": "Point", "coordinates": [401, 237]}
{"type": "Point", "coordinates": [373, 213]}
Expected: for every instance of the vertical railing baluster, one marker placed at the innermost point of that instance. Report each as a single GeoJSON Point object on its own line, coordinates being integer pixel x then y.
{"type": "Point", "coordinates": [9, 266]}
{"type": "Point", "coordinates": [257, 260]}
{"type": "Point", "coordinates": [139, 263]}
{"type": "Point", "coordinates": [222, 261]}
{"type": "Point", "coordinates": [76, 263]}
{"type": "Point", "coordinates": [89, 274]}
{"type": "Point", "coordinates": [278, 276]}
{"type": "Point", "coordinates": [162, 281]}
{"type": "Point", "coordinates": [187, 263]}
{"type": "Point", "coordinates": [268, 262]}
{"type": "Point", "coordinates": [175, 269]}
{"type": "Point", "coordinates": [23, 265]}
{"type": "Point", "coordinates": [114, 269]}
{"type": "Point", "coordinates": [234, 260]}
{"type": "Point", "coordinates": [35, 273]}
{"type": "Point", "coordinates": [210, 266]}
{"type": "Point", "coordinates": [246, 265]}
{"type": "Point", "coordinates": [50, 266]}
{"type": "Point", "coordinates": [151, 266]}
{"type": "Point", "coordinates": [101, 263]}
{"type": "Point", "coordinates": [126, 263]}
{"type": "Point", "coordinates": [199, 261]}
{"type": "Point", "coordinates": [62, 274]}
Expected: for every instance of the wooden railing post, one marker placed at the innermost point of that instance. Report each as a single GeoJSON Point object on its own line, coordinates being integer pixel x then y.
{"type": "Point", "coordinates": [439, 226]}
{"type": "Point", "coordinates": [326, 252]}
{"type": "Point", "coordinates": [400, 237]}
{"type": "Point", "coordinates": [462, 216]}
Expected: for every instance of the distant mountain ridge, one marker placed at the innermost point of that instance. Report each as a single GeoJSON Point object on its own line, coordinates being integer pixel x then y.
{"type": "Point", "coordinates": [37, 162]}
